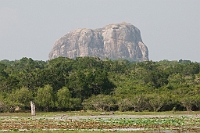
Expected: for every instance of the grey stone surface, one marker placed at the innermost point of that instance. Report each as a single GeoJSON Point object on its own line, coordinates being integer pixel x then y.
{"type": "Point", "coordinates": [114, 41]}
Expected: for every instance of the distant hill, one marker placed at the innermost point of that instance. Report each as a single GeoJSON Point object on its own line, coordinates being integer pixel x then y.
{"type": "Point", "coordinates": [114, 41]}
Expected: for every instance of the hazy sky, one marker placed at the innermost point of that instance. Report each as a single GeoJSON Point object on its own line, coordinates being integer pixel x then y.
{"type": "Point", "coordinates": [169, 28]}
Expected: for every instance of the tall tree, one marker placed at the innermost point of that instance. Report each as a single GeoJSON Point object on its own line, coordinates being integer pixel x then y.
{"type": "Point", "coordinates": [45, 97]}
{"type": "Point", "coordinates": [24, 96]}
{"type": "Point", "coordinates": [63, 98]}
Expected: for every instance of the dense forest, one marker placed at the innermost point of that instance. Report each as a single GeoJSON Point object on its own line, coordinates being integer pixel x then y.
{"type": "Point", "coordinates": [89, 83]}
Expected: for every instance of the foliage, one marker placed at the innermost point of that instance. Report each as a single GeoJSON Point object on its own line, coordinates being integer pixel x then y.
{"type": "Point", "coordinates": [65, 101]}
{"type": "Point", "coordinates": [92, 83]}
{"type": "Point", "coordinates": [99, 103]}
{"type": "Point", "coordinates": [24, 95]}
{"type": "Point", "coordinates": [45, 97]}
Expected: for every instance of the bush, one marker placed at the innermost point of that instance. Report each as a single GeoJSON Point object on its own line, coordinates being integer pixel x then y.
{"type": "Point", "coordinates": [3, 107]}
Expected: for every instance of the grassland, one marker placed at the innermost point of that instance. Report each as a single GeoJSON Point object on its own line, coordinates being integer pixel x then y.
{"type": "Point", "coordinates": [97, 122]}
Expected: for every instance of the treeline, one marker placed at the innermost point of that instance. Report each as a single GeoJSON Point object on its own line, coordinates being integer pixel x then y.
{"type": "Point", "coordinates": [64, 84]}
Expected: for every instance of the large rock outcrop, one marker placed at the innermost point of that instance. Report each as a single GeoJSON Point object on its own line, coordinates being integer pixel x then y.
{"type": "Point", "coordinates": [113, 41]}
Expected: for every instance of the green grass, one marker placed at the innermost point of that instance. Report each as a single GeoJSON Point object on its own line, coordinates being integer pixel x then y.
{"type": "Point", "coordinates": [179, 122]}
{"type": "Point", "coordinates": [155, 123]}
{"type": "Point", "coordinates": [89, 113]}
{"type": "Point", "coordinates": [158, 113]}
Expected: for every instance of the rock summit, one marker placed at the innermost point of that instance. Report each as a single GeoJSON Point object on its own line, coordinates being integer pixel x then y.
{"type": "Point", "coordinates": [114, 41]}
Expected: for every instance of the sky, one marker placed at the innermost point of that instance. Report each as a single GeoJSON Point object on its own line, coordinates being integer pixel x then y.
{"type": "Point", "coordinates": [169, 28]}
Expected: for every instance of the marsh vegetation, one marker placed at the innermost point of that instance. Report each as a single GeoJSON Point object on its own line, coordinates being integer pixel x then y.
{"type": "Point", "coordinates": [67, 122]}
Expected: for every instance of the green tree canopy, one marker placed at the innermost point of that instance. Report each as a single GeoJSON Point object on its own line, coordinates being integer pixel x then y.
{"type": "Point", "coordinates": [45, 97]}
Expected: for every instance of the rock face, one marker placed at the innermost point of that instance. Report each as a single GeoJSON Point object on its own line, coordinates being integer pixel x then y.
{"type": "Point", "coordinates": [113, 41]}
